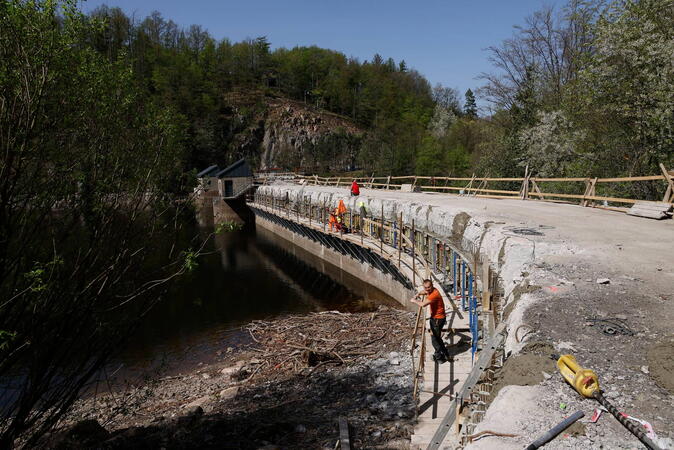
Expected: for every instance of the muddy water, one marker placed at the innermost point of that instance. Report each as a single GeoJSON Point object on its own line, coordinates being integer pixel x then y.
{"type": "Point", "coordinates": [246, 275]}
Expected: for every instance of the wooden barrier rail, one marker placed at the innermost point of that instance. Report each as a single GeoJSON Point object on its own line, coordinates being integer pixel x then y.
{"type": "Point", "coordinates": [529, 189]}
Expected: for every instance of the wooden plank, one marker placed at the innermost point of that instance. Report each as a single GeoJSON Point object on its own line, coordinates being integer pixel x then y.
{"type": "Point", "coordinates": [658, 215]}
{"type": "Point", "coordinates": [537, 179]}
{"type": "Point", "coordinates": [483, 362]}
{"type": "Point", "coordinates": [589, 197]}
{"type": "Point", "coordinates": [499, 179]}
{"type": "Point", "coordinates": [344, 441]}
{"type": "Point", "coordinates": [654, 206]}
{"type": "Point", "coordinates": [623, 179]}
{"type": "Point", "coordinates": [452, 188]}
{"type": "Point", "coordinates": [516, 197]}
{"type": "Point", "coordinates": [524, 190]}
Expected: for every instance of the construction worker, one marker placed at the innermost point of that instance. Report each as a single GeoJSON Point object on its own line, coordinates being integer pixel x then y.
{"type": "Point", "coordinates": [355, 189]}
{"type": "Point", "coordinates": [339, 220]}
{"type": "Point", "coordinates": [437, 321]}
{"type": "Point", "coordinates": [332, 221]}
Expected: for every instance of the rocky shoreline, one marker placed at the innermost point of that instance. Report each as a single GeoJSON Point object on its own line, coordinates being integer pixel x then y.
{"type": "Point", "coordinates": [286, 390]}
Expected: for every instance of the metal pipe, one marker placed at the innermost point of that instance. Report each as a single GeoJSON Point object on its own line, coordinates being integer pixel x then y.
{"type": "Point", "coordinates": [414, 263]}
{"type": "Point", "coordinates": [554, 431]}
{"type": "Point", "coordinates": [631, 426]}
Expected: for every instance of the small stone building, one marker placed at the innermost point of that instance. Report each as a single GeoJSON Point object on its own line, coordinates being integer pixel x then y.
{"type": "Point", "coordinates": [208, 182]}
{"type": "Point", "coordinates": [235, 179]}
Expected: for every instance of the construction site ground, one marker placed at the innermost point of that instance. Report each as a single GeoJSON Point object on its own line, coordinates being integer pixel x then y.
{"type": "Point", "coordinates": [286, 388]}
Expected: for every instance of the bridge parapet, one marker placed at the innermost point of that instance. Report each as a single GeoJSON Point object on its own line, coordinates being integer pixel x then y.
{"type": "Point", "coordinates": [392, 242]}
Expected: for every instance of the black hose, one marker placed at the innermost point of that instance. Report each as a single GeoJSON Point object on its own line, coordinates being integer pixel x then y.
{"type": "Point", "coordinates": [553, 432]}
{"type": "Point", "coordinates": [631, 426]}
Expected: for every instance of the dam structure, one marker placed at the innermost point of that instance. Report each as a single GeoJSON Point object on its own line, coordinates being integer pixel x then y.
{"type": "Point", "coordinates": [511, 273]}
{"type": "Point", "coordinates": [395, 251]}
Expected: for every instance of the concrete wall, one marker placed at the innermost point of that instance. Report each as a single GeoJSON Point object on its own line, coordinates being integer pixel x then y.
{"type": "Point", "coordinates": [208, 184]}
{"type": "Point", "coordinates": [238, 184]}
{"type": "Point", "coordinates": [463, 228]}
{"type": "Point", "coordinates": [365, 272]}
{"type": "Point", "coordinates": [234, 210]}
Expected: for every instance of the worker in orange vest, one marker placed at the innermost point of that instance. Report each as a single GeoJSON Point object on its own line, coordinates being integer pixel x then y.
{"type": "Point", "coordinates": [355, 189]}
{"type": "Point", "coordinates": [333, 220]}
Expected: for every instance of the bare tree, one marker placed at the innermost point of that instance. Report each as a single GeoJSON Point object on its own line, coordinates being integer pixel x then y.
{"type": "Point", "coordinates": [550, 45]}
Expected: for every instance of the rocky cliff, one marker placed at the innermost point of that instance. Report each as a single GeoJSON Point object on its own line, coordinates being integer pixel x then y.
{"type": "Point", "coordinates": [291, 135]}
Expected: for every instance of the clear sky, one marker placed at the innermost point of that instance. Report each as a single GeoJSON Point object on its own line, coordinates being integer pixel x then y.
{"type": "Point", "coordinates": [444, 40]}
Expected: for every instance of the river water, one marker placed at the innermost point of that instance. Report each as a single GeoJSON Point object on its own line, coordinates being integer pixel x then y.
{"type": "Point", "coordinates": [244, 275]}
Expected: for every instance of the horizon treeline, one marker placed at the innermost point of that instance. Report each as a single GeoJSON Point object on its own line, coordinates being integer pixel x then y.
{"type": "Point", "coordinates": [190, 71]}
{"type": "Point", "coordinates": [584, 89]}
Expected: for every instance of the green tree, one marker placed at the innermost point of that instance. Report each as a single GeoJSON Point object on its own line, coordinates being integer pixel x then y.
{"type": "Point", "coordinates": [87, 166]}
{"type": "Point", "coordinates": [470, 106]}
{"type": "Point", "coordinates": [628, 85]}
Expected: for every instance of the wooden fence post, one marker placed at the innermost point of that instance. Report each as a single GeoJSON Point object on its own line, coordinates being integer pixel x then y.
{"type": "Point", "coordinates": [524, 191]}
{"type": "Point", "coordinates": [589, 192]}
{"type": "Point", "coordinates": [669, 193]}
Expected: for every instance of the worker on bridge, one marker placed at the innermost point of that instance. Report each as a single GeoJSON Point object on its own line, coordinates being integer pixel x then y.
{"type": "Point", "coordinates": [437, 321]}
{"type": "Point", "coordinates": [332, 221]}
{"type": "Point", "coordinates": [355, 189]}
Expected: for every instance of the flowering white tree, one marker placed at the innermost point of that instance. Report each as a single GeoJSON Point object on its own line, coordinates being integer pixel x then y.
{"type": "Point", "coordinates": [630, 80]}
{"type": "Point", "coordinates": [551, 145]}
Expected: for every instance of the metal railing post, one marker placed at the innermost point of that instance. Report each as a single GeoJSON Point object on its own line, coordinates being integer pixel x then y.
{"type": "Point", "coordinates": [414, 262]}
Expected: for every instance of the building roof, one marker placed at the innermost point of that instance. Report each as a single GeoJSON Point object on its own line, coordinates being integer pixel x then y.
{"type": "Point", "coordinates": [208, 171]}
{"type": "Point", "coordinates": [236, 170]}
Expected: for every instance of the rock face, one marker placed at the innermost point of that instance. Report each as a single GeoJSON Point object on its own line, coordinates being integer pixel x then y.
{"type": "Point", "coordinates": [296, 136]}
{"type": "Point", "coordinates": [286, 134]}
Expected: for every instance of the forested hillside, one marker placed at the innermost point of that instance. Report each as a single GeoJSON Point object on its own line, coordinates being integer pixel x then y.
{"type": "Point", "coordinates": [587, 88]}
{"type": "Point", "coordinates": [192, 73]}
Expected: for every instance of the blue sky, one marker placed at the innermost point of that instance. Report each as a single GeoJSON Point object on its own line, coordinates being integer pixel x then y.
{"type": "Point", "coordinates": [444, 40]}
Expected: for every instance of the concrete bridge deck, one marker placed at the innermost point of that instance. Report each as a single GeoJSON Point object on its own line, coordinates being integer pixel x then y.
{"type": "Point", "coordinates": [549, 257]}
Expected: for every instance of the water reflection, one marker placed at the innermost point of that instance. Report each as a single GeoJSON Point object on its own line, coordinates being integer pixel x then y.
{"type": "Point", "coordinates": [244, 276]}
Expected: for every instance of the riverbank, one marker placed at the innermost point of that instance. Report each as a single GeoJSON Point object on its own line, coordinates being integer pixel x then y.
{"type": "Point", "coordinates": [286, 389]}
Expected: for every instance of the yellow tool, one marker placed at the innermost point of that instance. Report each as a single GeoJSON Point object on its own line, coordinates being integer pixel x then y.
{"type": "Point", "coordinates": [585, 381]}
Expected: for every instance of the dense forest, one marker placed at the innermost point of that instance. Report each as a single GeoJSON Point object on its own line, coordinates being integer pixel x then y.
{"type": "Point", "coordinates": [583, 89]}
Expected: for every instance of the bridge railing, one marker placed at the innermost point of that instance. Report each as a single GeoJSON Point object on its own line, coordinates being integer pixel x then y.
{"type": "Point", "coordinates": [456, 267]}
{"type": "Point", "coordinates": [586, 191]}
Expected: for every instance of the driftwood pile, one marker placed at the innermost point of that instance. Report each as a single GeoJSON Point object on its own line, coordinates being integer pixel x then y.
{"type": "Point", "coordinates": [303, 344]}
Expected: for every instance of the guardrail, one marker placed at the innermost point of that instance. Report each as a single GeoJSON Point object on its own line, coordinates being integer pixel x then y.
{"type": "Point", "coordinates": [426, 256]}
{"type": "Point", "coordinates": [529, 186]}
